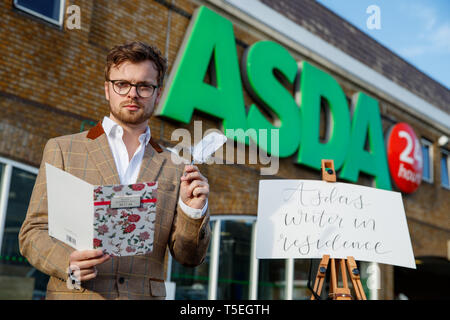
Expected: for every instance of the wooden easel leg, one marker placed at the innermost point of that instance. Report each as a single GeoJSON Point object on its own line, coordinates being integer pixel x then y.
{"type": "Point", "coordinates": [333, 282]}
{"type": "Point", "coordinates": [336, 265]}
{"type": "Point", "coordinates": [356, 278]}
{"type": "Point", "coordinates": [320, 276]}
{"type": "Point", "coordinates": [343, 273]}
{"type": "Point", "coordinates": [337, 293]}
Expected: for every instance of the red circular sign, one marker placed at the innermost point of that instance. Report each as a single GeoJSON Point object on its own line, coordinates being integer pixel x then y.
{"type": "Point", "coordinates": [404, 153]}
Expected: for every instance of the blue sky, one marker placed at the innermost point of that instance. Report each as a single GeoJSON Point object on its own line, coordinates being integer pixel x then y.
{"type": "Point", "coordinates": [416, 30]}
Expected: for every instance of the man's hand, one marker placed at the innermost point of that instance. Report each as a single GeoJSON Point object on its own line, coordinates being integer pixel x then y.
{"type": "Point", "coordinates": [85, 261]}
{"type": "Point", "coordinates": [194, 187]}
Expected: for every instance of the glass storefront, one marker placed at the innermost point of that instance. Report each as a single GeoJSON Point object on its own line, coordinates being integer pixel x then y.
{"type": "Point", "coordinates": [191, 283]}
{"type": "Point", "coordinates": [301, 274]}
{"type": "Point", "coordinates": [234, 264]}
{"type": "Point", "coordinates": [271, 284]}
{"type": "Point", "coordinates": [19, 280]}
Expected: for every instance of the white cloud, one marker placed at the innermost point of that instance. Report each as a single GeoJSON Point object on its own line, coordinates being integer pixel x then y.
{"type": "Point", "coordinates": [434, 37]}
{"type": "Point", "coordinates": [427, 15]}
{"type": "Point", "coordinates": [441, 38]}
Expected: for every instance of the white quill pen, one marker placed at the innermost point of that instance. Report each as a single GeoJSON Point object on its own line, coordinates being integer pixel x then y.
{"type": "Point", "coordinates": [207, 146]}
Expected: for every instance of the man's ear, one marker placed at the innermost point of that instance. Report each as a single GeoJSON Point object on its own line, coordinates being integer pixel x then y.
{"type": "Point", "coordinates": [107, 90]}
{"type": "Point", "coordinates": [158, 95]}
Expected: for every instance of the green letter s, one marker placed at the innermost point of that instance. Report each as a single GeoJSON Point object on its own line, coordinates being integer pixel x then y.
{"type": "Point", "coordinates": [259, 63]}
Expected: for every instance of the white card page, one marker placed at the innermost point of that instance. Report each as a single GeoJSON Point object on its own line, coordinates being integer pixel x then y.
{"type": "Point", "coordinates": [70, 208]}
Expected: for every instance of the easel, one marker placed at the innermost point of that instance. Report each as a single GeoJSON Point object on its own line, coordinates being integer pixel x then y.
{"type": "Point", "coordinates": [337, 293]}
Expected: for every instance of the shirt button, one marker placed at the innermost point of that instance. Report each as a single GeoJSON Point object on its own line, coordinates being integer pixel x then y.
{"type": "Point", "coordinates": [121, 280]}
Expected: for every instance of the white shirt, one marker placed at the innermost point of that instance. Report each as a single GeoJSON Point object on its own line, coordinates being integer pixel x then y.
{"type": "Point", "coordinates": [128, 170]}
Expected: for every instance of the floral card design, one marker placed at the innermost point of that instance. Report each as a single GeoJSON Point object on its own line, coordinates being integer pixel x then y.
{"type": "Point", "coordinates": [125, 231]}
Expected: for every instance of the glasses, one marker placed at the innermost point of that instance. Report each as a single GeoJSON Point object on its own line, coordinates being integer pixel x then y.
{"type": "Point", "coordinates": [143, 90]}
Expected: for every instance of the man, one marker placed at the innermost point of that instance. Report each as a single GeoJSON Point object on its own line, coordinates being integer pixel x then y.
{"type": "Point", "coordinates": [120, 150]}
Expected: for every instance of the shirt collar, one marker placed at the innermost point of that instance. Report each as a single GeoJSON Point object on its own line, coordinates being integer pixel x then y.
{"type": "Point", "coordinates": [110, 127]}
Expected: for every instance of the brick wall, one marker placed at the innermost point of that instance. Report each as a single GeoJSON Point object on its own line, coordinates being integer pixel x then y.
{"type": "Point", "coordinates": [52, 83]}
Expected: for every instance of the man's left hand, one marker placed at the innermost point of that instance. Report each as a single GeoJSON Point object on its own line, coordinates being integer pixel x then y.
{"type": "Point", "coordinates": [194, 187]}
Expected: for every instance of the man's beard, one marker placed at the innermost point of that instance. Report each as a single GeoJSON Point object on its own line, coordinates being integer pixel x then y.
{"type": "Point", "coordinates": [132, 117]}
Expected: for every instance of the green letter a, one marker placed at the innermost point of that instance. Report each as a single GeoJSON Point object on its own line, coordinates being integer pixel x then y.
{"type": "Point", "coordinates": [209, 35]}
{"type": "Point", "coordinates": [366, 122]}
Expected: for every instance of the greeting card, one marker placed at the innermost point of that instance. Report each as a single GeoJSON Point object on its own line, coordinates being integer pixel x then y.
{"type": "Point", "coordinates": [118, 219]}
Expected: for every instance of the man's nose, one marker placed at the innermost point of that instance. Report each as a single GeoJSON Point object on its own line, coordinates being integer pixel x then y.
{"type": "Point", "coordinates": [133, 93]}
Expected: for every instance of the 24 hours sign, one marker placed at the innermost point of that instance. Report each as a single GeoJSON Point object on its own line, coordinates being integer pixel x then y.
{"type": "Point", "coordinates": [404, 154]}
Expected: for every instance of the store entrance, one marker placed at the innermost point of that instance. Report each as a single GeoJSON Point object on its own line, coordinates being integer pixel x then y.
{"type": "Point", "coordinates": [428, 282]}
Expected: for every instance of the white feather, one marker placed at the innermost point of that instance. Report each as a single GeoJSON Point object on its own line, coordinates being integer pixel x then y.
{"type": "Point", "coordinates": [207, 146]}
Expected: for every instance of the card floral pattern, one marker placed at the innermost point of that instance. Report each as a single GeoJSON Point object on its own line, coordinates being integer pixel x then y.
{"type": "Point", "coordinates": [125, 231]}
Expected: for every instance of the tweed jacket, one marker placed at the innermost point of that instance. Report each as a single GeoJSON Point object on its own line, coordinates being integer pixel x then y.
{"type": "Point", "coordinates": [87, 155]}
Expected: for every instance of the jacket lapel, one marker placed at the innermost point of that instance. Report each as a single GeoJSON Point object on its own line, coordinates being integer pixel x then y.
{"type": "Point", "coordinates": [100, 153]}
{"type": "Point", "coordinates": [152, 163]}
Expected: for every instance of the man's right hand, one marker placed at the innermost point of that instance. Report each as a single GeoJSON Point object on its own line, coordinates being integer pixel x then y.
{"type": "Point", "coordinates": [85, 261]}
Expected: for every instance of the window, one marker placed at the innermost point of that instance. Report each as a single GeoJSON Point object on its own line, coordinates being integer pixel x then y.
{"type": "Point", "coordinates": [444, 168]}
{"type": "Point", "coordinates": [18, 279]}
{"type": "Point", "coordinates": [271, 285]}
{"type": "Point", "coordinates": [234, 264]}
{"type": "Point", "coordinates": [427, 154]}
{"type": "Point", "coordinates": [49, 10]}
{"type": "Point", "coordinates": [191, 283]}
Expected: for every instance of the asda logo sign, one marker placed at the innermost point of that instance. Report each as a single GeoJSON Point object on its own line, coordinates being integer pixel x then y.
{"type": "Point", "coordinates": [296, 115]}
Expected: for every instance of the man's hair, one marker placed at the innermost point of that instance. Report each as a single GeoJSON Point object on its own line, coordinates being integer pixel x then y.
{"type": "Point", "coordinates": [136, 51]}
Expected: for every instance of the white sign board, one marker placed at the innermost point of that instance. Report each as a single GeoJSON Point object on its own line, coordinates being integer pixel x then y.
{"type": "Point", "coordinates": [308, 218]}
